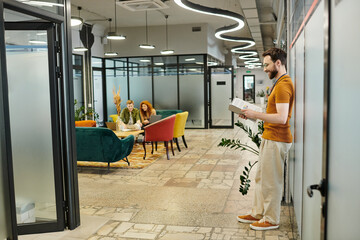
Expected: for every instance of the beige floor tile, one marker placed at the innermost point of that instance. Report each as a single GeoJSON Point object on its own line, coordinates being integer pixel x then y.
{"type": "Point", "coordinates": [194, 195]}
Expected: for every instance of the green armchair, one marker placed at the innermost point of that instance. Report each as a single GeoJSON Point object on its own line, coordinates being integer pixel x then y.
{"type": "Point", "coordinates": [102, 145]}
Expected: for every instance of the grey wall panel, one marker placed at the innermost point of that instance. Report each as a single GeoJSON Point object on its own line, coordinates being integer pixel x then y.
{"type": "Point", "coordinates": [299, 130]}
{"type": "Point", "coordinates": [313, 118]}
{"type": "Point", "coordinates": [344, 160]}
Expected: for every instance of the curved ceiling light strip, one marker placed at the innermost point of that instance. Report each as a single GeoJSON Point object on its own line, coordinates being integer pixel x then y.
{"type": "Point", "coordinates": [249, 56]}
{"type": "Point", "coordinates": [248, 42]}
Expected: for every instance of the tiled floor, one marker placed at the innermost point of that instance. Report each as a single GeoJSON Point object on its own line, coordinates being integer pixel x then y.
{"type": "Point", "coordinates": [192, 196]}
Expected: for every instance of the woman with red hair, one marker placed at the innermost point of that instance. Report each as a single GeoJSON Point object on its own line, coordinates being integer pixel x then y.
{"type": "Point", "coordinates": [146, 110]}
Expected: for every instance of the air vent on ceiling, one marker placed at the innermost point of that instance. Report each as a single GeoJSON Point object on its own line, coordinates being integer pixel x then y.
{"type": "Point", "coordinates": [142, 5]}
{"type": "Point", "coordinates": [196, 29]}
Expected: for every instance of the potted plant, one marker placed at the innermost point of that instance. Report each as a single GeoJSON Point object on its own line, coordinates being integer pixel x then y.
{"type": "Point", "coordinates": [81, 113]}
{"type": "Point", "coordinates": [261, 94]}
{"type": "Point", "coordinates": [236, 144]}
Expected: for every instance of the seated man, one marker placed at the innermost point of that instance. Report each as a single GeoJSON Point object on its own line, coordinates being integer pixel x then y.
{"type": "Point", "coordinates": [130, 117]}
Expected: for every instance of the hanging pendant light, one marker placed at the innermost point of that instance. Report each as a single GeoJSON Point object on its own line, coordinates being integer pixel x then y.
{"type": "Point", "coordinates": [110, 53]}
{"type": "Point", "coordinates": [146, 45]}
{"type": "Point", "coordinates": [114, 35]}
{"type": "Point", "coordinates": [75, 21]}
{"type": "Point", "coordinates": [80, 48]}
{"type": "Point", "coordinates": [166, 51]}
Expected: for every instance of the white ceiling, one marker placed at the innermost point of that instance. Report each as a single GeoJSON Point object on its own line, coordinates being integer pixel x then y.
{"type": "Point", "coordinates": [258, 14]}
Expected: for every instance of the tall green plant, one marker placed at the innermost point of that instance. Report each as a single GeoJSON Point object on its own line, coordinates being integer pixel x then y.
{"type": "Point", "coordinates": [236, 144]}
{"type": "Point", "coordinates": [81, 112]}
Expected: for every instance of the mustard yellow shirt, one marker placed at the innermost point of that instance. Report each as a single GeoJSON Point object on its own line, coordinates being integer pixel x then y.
{"type": "Point", "coordinates": [283, 92]}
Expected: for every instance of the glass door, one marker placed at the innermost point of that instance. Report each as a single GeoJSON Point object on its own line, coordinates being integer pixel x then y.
{"type": "Point", "coordinates": [98, 96]}
{"type": "Point", "coordinates": [249, 88]}
{"type": "Point", "coordinates": [34, 123]}
{"type": "Point", "coordinates": [221, 94]}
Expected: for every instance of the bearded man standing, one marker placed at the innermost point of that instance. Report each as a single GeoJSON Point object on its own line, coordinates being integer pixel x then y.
{"type": "Point", "coordinates": [275, 144]}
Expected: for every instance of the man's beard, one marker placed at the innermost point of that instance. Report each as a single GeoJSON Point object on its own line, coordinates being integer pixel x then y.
{"type": "Point", "coordinates": [273, 74]}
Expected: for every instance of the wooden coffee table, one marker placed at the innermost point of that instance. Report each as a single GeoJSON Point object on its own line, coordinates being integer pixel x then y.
{"type": "Point", "coordinates": [124, 134]}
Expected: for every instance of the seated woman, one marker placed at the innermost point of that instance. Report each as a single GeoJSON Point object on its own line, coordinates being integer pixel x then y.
{"type": "Point", "coordinates": [129, 117]}
{"type": "Point", "coordinates": [146, 110]}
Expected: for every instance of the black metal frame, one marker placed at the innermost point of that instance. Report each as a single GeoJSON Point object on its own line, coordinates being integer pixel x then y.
{"type": "Point", "coordinates": [326, 115]}
{"type": "Point", "coordinates": [6, 153]}
{"type": "Point", "coordinates": [210, 99]}
{"type": "Point", "coordinates": [253, 93]}
{"type": "Point", "coordinates": [55, 126]}
{"type": "Point", "coordinates": [33, 11]}
{"type": "Point", "coordinates": [79, 68]}
{"type": "Point", "coordinates": [71, 201]}
{"type": "Point", "coordinates": [152, 82]}
{"type": "Point", "coordinates": [206, 92]}
{"type": "Point", "coordinates": [103, 83]}
{"type": "Point", "coordinates": [153, 79]}
{"type": "Point", "coordinates": [59, 39]}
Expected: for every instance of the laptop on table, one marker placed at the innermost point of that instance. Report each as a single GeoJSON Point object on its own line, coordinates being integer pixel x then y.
{"type": "Point", "coordinates": [154, 118]}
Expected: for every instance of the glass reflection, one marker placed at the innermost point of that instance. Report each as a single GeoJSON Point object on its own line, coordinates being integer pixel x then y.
{"type": "Point", "coordinates": [54, 6]}
{"type": "Point", "coordinates": [31, 128]}
{"type": "Point", "coordinates": [191, 88]}
{"type": "Point", "coordinates": [116, 78]}
{"type": "Point", "coordinates": [249, 90]}
{"type": "Point", "coordinates": [165, 83]}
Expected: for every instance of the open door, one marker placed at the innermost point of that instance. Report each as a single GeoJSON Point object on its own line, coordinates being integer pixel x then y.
{"type": "Point", "coordinates": [36, 132]}
{"type": "Point", "coordinates": [34, 126]}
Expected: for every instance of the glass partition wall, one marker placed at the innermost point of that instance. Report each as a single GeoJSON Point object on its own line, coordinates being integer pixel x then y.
{"type": "Point", "coordinates": [99, 100]}
{"type": "Point", "coordinates": [165, 83]}
{"type": "Point", "coordinates": [78, 80]}
{"type": "Point", "coordinates": [116, 80]}
{"type": "Point", "coordinates": [168, 82]}
{"type": "Point", "coordinates": [140, 80]}
{"type": "Point", "coordinates": [192, 89]}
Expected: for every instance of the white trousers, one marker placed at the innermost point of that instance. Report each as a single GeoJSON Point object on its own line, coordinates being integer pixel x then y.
{"type": "Point", "coordinates": [269, 180]}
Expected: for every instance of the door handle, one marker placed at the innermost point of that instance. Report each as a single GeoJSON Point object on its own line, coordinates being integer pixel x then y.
{"type": "Point", "coordinates": [320, 187]}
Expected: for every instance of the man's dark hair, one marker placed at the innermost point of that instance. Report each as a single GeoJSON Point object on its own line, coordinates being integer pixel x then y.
{"type": "Point", "coordinates": [276, 54]}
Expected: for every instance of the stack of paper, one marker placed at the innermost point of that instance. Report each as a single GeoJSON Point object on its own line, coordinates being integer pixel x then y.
{"type": "Point", "coordinates": [237, 105]}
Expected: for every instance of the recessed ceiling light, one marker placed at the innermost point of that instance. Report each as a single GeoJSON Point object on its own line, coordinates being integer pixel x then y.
{"type": "Point", "coordinates": [144, 60]}
{"type": "Point", "coordinates": [159, 64]}
{"type": "Point", "coordinates": [189, 59]}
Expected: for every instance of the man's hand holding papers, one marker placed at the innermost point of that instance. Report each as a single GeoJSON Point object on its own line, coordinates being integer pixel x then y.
{"type": "Point", "coordinates": [244, 109]}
